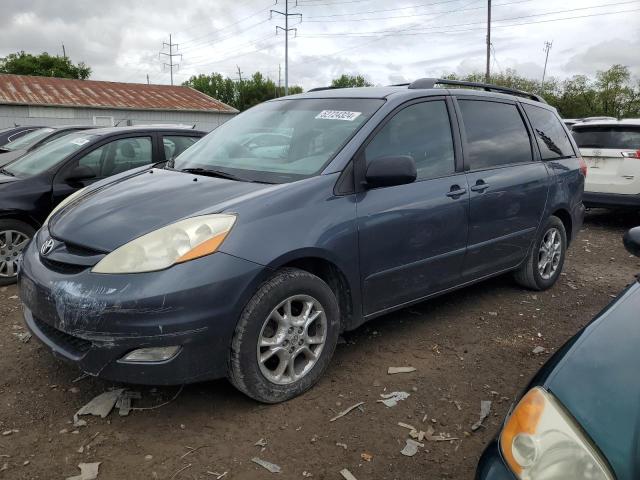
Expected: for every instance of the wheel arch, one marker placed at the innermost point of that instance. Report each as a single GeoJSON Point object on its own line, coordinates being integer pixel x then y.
{"type": "Point", "coordinates": [321, 265]}
{"type": "Point", "coordinates": [565, 217]}
{"type": "Point", "coordinates": [21, 217]}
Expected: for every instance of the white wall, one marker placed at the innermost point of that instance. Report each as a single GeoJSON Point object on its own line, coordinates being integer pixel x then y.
{"type": "Point", "coordinates": [37, 115]}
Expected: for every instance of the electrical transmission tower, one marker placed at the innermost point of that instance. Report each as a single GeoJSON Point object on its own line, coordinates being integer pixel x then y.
{"type": "Point", "coordinates": [170, 56]}
{"type": "Point", "coordinates": [286, 31]}
{"type": "Point", "coordinates": [547, 47]}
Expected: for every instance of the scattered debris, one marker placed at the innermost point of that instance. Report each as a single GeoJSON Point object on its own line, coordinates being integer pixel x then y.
{"type": "Point", "coordinates": [411, 448]}
{"type": "Point", "coordinates": [9, 432]}
{"type": "Point", "coordinates": [343, 445]}
{"type": "Point", "coordinates": [4, 467]}
{"type": "Point", "coordinates": [99, 406]}
{"type": "Point", "coordinates": [148, 457]}
{"type": "Point", "coordinates": [13, 297]}
{"type": "Point", "coordinates": [88, 471]}
{"type": "Point", "coordinates": [485, 408]}
{"type": "Point", "coordinates": [191, 449]}
{"type": "Point", "coordinates": [123, 404]}
{"type": "Point", "coordinates": [347, 475]}
{"type": "Point", "coordinates": [394, 370]}
{"type": "Point", "coordinates": [345, 412]}
{"type": "Point", "coordinates": [162, 404]}
{"type": "Point", "coordinates": [538, 350]}
{"type": "Point", "coordinates": [306, 474]}
{"type": "Point", "coordinates": [181, 470]}
{"type": "Point", "coordinates": [367, 457]}
{"type": "Point", "coordinates": [217, 475]}
{"type": "Point", "coordinates": [392, 399]}
{"type": "Point", "coordinates": [458, 405]}
{"type": "Point", "coordinates": [261, 443]}
{"type": "Point", "coordinates": [24, 337]}
{"type": "Point", "coordinates": [493, 314]}
{"type": "Point", "coordinates": [272, 467]}
{"type": "Point", "coordinates": [443, 437]}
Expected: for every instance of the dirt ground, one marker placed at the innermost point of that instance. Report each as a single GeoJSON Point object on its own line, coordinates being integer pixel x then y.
{"type": "Point", "coordinates": [472, 345]}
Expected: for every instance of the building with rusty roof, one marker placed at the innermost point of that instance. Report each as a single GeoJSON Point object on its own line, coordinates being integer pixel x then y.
{"type": "Point", "coordinates": [27, 100]}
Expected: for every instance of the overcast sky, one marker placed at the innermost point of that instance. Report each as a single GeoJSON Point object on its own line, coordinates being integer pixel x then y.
{"type": "Point", "coordinates": [387, 41]}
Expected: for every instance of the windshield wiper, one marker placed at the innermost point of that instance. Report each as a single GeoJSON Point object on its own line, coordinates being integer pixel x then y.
{"type": "Point", "coordinates": [6, 172]}
{"type": "Point", "coordinates": [212, 173]}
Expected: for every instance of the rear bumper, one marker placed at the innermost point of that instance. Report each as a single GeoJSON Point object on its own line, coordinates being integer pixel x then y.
{"type": "Point", "coordinates": [492, 466]}
{"type": "Point", "coordinates": [597, 199]}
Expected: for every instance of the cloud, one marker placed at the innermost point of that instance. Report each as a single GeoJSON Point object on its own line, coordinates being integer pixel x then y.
{"type": "Point", "coordinates": [604, 54]}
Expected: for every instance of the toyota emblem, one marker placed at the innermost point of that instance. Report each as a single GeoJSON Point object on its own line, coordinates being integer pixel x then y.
{"type": "Point", "coordinates": [47, 247]}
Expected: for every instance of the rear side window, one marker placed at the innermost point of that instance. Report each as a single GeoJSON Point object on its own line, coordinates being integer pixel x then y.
{"type": "Point", "coordinates": [174, 145]}
{"type": "Point", "coordinates": [496, 134]}
{"type": "Point", "coordinates": [421, 131]}
{"type": "Point", "coordinates": [550, 135]}
{"type": "Point", "coordinates": [622, 137]}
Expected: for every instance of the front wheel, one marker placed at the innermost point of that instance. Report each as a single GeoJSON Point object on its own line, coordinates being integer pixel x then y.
{"type": "Point", "coordinates": [544, 264]}
{"type": "Point", "coordinates": [285, 338]}
{"type": "Point", "coordinates": [14, 236]}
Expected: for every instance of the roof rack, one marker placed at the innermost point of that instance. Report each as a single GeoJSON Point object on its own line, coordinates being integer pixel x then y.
{"type": "Point", "coordinates": [432, 82]}
{"type": "Point", "coordinates": [317, 89]}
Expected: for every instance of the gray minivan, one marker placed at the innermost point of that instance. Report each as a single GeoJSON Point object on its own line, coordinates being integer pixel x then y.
{"type": "Point", "coordinates": [305, 216]}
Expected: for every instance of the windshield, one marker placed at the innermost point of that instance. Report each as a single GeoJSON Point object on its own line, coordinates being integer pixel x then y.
{"type": "Point", "coordinates": [627, 137]}
{"type": "Point", "coordinates": [48, 155]}
{"type": "Point", "coordinates": [282, 141]}
{"type": "Point", "coordinates": [24, 142]}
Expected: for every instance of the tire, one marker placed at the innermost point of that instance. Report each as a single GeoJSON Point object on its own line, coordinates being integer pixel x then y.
{"type": "Point", "coordinates": [264, 319]}
{"type": "Point", "coordinates": [530, 274]}
{"type": "Point", "coordinates": [14, 236]}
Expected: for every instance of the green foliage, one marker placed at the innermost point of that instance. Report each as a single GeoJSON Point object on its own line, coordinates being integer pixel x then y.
{"type": "Point", "coordinates": [43, 65]}
{"type": "Point", "coordinates": [344, 81]}
{"type": "Point", "coordinates": [240, 94]}
{"type": "Point", "coordinates": [611, 93]}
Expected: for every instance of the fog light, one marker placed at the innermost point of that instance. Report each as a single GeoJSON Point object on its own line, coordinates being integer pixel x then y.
{"type": "Point", "coordinates": [156, 354]}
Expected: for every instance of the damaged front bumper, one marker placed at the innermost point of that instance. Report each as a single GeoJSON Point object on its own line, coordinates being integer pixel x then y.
{"type": "Point", "coordinates": [95, 320]}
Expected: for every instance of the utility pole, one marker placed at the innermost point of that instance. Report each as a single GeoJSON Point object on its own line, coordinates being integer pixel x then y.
{"type": "Point", "coordinates": [279, 74]}
{"type": "Point", "coordinates": [147, 79]}
{"type": "Point", "coordinates": [64, 52]}
{"type": "Point", "coordinates": [239, 88]}
{"type": "Point", "coordinates": [547, 47]}
{"type": "Point", "coordinates": [170, 55]}
{"type": "Point", "coordinates": [487, 77]}
{"type": "Point", "coordinates": [286, 30]}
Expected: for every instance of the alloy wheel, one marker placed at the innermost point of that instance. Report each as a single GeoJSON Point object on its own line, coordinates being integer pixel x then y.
{"type": "Point", "coordinates": [12, 242]}
{"type": "Point", "coordinates": [550, 253]}
{"type": "Point", "coordinates": [291, 339]}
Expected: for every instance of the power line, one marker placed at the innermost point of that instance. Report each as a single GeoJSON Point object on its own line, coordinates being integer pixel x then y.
{"type": "Point", "coordinates": [383, 10]}
{"type": "Point", "coordinates": [286, 31]}
{"type": "Point", "coordinates": [170, 56]}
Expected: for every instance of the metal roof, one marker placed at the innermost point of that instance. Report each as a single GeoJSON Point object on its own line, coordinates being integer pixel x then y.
{"type": "Point", "coordinates": [65, 92]}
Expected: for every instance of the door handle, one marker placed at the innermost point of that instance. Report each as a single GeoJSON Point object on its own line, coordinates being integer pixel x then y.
{"type": "Point", "coordinates": [480, 186]}
{"type": "Point", "coordinates": [456, 191]}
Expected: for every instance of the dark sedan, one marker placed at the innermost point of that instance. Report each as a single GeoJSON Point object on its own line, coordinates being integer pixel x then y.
{"type": "Point", "coordinates": [35, 139]}
{"type": "Point", "coordinates": [579, 417]}
{"type": "Point", "coordinates": [31, 186]}
{"type": "Point", "coordinates": [11, 134]}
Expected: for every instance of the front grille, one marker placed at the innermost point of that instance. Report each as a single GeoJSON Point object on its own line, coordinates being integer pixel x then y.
{"type": "Point", "coordinates": [61, 267]}
{"type": "Point", "coordinates": [74, 345]}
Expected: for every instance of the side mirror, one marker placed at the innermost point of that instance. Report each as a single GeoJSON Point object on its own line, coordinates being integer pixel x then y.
{"type": "Point", "coordinates": [632, 241]}
{"type": "Point", "coordinates": [81, 172]}
{"type": "Point", "coordinates": [390, 171]}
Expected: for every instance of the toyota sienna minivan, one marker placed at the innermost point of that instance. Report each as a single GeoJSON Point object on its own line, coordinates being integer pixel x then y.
{"type": "Point", "coordinates": [305, 216]}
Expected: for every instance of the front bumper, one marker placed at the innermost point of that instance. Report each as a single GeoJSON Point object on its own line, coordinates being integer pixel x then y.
{"type": "Point", "coordinates": [491, 465]}
{"type": "Point", "coordinates": [606, 200]}
{"type": "Point", "coordinates": [93, 320]}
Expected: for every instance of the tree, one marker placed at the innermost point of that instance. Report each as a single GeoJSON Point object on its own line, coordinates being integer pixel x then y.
{"type": "Point", "coordinates": [344, 81]}
{"type": "Point", "coordinates": [43, 65]}
{"type": "Point", "coordinates": [240, 94]}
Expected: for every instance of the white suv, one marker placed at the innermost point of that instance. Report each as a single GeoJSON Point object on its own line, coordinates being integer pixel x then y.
{"type": "Point", "coordinates": [611, 149]}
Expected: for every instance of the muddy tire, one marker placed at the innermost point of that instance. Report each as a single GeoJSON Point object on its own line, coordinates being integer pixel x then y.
{"type": "Point", "coordinates": [285, 337]}
{"type": "Point", "coordinates": [14, 236]}
{"type": "Point", "coordinates": [544, 264]}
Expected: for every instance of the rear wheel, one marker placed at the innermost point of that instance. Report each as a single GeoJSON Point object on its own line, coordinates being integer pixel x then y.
{"type": "Point", "coordinates": [543, 266]}
{"type": "Point", "coordinates": [14, 236]}
{"type": "Point", "coordinates": [285, 338]}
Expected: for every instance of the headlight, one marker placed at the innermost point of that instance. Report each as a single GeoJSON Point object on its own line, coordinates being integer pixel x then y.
{"type": "Point", "coordinates": [64, 202]}
{"type": "Point", "coordinates": [179, 242]}
{"type": "Point", "coordinates": [540, 441]}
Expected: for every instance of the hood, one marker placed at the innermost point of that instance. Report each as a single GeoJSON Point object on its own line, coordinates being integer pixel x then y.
{"type": "Point", "coordinates": [596, 379]}
{"type": "Point", "coordinates": [116, 212]}
{"type": "Point", "coordinates": [8, 157]}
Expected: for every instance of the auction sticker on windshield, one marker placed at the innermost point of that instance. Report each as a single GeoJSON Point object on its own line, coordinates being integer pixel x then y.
{"type": "Point", "coordinates": [338, 115]}
{"type": "Point", "coordinates": [79, 141]}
